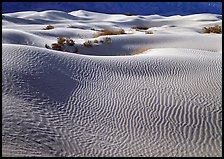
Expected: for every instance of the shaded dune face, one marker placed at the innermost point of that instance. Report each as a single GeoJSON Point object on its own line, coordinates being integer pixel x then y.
{"type": "Point", "coordinates": [155, 104]}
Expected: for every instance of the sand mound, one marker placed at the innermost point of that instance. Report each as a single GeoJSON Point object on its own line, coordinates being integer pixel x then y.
{"type": "Point", "coordinates": [163, 101]}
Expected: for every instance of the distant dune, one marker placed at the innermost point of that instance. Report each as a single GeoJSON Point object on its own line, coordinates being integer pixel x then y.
{"type": "Point", "coordinates": [145, 8]}
{"type": "Point", "coordinates": [154, 92]}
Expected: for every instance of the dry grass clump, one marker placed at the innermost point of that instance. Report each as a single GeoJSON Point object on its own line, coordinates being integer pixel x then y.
{"type": "Point", "coordinates": [76, 27]}
{"type": "Point", "coordinates": [96, 41]}
{"type": "Point", "coordinates": [109, 32]}
{"type": "Point", "coordinates": [49, 27]}
{"type": "Point", "coordinates": [63, 41]}
{"type": "Point", "coordinates": [107, 40]}
{"type": "Point", "coordinates": [140, 27]}
{"type": "Point", "coordinates": [56, 46]}
{"type": "Point", "coordinates": [213, 29]}
{"type": "Point", "coordinates": [88, 44]}
{"type": "Point", "coordinates": [148, 32]}
{"type": "Point", "coordinates": [70, 42]}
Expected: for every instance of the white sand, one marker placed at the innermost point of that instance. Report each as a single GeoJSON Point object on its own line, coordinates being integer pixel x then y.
{"type": "Point", "coordinates": [104, 101]}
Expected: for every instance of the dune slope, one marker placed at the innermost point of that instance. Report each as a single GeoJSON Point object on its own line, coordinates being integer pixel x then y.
{"type": "Point", "coordinates": [165, 101]}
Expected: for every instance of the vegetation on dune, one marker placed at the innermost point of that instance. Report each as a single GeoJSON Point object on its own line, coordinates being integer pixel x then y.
{"type": "Point", "coordinates": [56, 46]}
{"type": "Point", "coordinates": [88, 44]}
{"type": "Point", "coordinates": [109, 32]}
{"type": "Point", "coordinates": [70, 42]}
{"type": "Point", "coordinates": [62, 44]}
{"type": "Point", "coordinates": [96, 41]}
{"type": "Point", "coordinates": [140, 27]}
{"type": "Point", "coordinates": [75, 27]}
{"type": "Point", "coordinates": [49, 27]}
{"type": "Point", "coordinates": [107, 40]}
{"type": "Point", "coordinates": [213, 29]}
{"type": "Point", "coordinates": [148, 32]}
{"type": "Point", "coordinates": [68, 45]}
{"type": "Point", "coordinates": [61, 40]}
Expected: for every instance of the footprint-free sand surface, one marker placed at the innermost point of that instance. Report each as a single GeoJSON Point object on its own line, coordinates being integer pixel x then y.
{"type": "Point", "coordinates": [140, 95]}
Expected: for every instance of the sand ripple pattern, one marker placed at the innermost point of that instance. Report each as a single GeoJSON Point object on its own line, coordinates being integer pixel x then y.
{"type": "Point", "coordinates": [145, 105]}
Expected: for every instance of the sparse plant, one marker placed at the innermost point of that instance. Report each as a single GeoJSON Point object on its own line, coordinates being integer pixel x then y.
{"type": "Point", "coordinates": [213, 29]}
{"type": "Point", "coordinates": [148, 32]}
{"type": "Point", "coordinates": [56, 46]}
{"type": "Point", "coordinates": [49, 27]}
{"type": "Point", "coordinates": [96, 41]}
{"type": "Point", "coordinates": [61, 40]}
{"type": "Point", "coordinates": [76, 27]}
{"type": "Point", "coordinates": [109, 32]}
{"type": "Point", "coordinates": [70, 42]}
{"type": "Point", "coordinates": [140, 27]}
{"type": "Point", "coordinates": [47, 46]}
{"type": "Point", "coordinates": [107, 40]}
{"type": "Point", "coordinates": [63, 44]}
{"type": "Point", "coordinates": [88, 44]}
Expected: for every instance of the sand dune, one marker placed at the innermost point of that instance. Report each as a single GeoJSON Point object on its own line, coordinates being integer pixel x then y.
{"type": "Point", "coordinates": [105, 101]}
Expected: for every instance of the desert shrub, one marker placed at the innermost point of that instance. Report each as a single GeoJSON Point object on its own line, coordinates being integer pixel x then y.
{"type": "Point", "coordinates": [75, 27]}
{"type": "Point", "coordinates": [61, 40]}
{"type": "Point", "coordinates": [109, 32]}
{"type": "Point", "coordinates": [70, 42]}
{"type": "Point", "coordinates": [140, 27]}
{"type": "Point", "coordinates": [88, 44]}
{"type": "Point", "coordinates": [49, 27]}
{"type": "Point", "coordinates": [47, 46]}
{"type": "Point", "coordinates": [56, 46]}
{"type": "Point", "coordinates": [213, 29]}
{"type": "Point", "coordinates": [96, 41]}
{"type": "Point", "coordinates": [107, 40]}
{"type": "Point", "coordinates": [148, 32]}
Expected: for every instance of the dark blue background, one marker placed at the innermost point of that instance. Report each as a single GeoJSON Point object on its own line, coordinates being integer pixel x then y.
{"type": "Point", "coordinates": [144, 8]}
